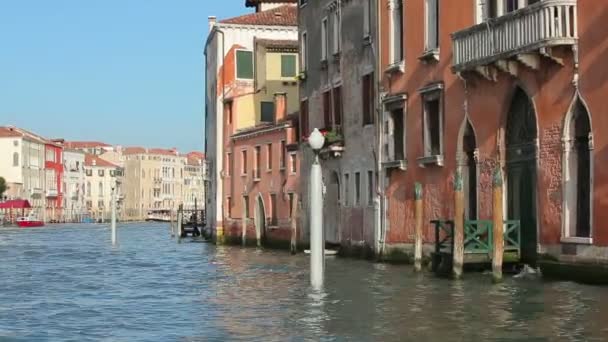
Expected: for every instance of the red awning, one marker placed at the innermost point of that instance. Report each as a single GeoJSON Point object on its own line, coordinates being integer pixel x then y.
{"type": "Point", "coordinates": [15, 204]}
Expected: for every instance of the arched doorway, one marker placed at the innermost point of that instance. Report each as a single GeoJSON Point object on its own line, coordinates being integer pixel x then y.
{"type": "Point", "coordinates": [577, 173]}
{"type": "Point", "coordinates": [331, 209]}
{"type": "Point", "coordinates": [521, 135]}
{"type": "Point", "coordinates": [260, 220]}
{"type": "Point", "coordinates": [467, 162]}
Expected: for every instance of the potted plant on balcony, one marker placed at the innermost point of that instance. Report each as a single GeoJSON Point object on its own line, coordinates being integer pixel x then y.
{"type": "Point", "coordinates": [334, 142]}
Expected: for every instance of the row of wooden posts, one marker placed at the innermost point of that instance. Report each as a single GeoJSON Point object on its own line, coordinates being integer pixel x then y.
{"type": "Point", "coordinates": [458, 239]}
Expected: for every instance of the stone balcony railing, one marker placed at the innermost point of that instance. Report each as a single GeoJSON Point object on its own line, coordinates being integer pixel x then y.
{"type": "Point", "coordinates": [528, 32]}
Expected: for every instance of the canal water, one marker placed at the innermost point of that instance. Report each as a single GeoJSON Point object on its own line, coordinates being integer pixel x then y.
{"type": "Point", "coordinates": [67, 282]}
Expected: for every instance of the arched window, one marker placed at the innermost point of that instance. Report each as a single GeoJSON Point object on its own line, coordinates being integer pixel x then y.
{"type": "Point", "coordinates": [577, 172]}
{"type": "Point", "coordinates": [16, 159]}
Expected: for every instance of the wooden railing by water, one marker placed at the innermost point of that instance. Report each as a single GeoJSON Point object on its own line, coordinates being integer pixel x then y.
{"type": "Point", "coordinates": [539, 26]}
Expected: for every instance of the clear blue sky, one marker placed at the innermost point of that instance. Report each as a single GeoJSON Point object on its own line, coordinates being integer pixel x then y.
{"type": "Point", "coordinates": [128, 72]}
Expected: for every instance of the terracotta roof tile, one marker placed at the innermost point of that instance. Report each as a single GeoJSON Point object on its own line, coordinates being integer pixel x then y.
{"type": "Point", "coordinates": [134, 150]}
{"type": "Point", "coordinates": [7, 132]}
{"type": "Point", "coordinates": [85, 144]}
{"type": "Point", "coordinates": [93, 160]}
{"type": "Point", "coordinates": [163, 151]}
{"type": "Point", "coordinates": [280, 16]}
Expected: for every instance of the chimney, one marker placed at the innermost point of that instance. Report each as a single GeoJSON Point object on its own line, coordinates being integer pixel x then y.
{"type": "Point", "coordinates": [94, 162]}
{"type": "Point", "coordinates": [212, 22]}
{"type": "Point", "coordinates": [280, 106]}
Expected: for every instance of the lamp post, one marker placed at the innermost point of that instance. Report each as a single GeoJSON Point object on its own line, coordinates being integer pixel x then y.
{"type": "Point", "coordinates": [317, 237]}
{"type": "Point", "coordinates": [113, 206]}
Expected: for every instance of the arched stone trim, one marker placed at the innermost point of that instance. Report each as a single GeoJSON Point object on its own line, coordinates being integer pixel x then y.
{"type": "Point", "coordinates": [260, 218]}
{"type": "Point", "coordinates": [570, 176]}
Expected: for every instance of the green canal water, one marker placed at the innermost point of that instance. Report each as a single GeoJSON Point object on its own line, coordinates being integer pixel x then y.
{"type": "Point", "coordinates": [67, 283]}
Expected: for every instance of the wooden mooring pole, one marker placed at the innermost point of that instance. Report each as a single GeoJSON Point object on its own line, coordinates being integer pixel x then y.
{"type": "Point", "coordinates": [180, 221]}
{"type": "Point", "coordinates": [458, 254]}
{"type": "Point", "coordinates": [498, 218]}
{"type": "Point", "coordinates": [418, 233]}
{"type": "Point", "coordinates": [294, 225]}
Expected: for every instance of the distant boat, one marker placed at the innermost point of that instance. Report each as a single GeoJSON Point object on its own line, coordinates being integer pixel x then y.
{"type": "Point", "coordinates": [159, 216]}
{"type": "Point", "coordinates": [328, 252]}
{"type": "Point", "coordinates": [29, 221]}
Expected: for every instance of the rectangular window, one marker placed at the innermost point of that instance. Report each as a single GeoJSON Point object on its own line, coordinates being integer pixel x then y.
{"type": "Point", "coordinates": [244, 162]}
{"type": "Point", "coordinates": [228, 164]}
{"type": "Point", "coordinates": [50, 156]}
{"type": "Point", "coordinates": [244, 64]}
{"type": "Point", "coordinates": [293, 163]}
{"type": "Point", "coordinates": [367, 16]}
{"type": "Point", "coordinates": [338, 108]}
{"type": "Point", "coordinates": [245, 206]}
{"type": "Point", "coordinates": [304, 51]}
{"type": "Point", "coordinates": [100, 173]}
{"type": "Point", "coordinates": [291, 198]}
{"type": "Point", "coordinates": [288, 65]}
{"type": "Point", "coordinates": [283, 149]}
{"type": "Point", "coordinates": [357, 188]}
{"type": "Point", "coordinates": [396, 42]}
{"type": "Point", "coordinates": [327, 109]}
{"type": "Point", "coordinates": [267, 110]}
{"type": "Point", "coordinates": [256, 166]}
{"type": "Point", "coordinates": [273, 210]}
{"type": "Point", "coordinates": [346, 189]}
{"type": "Point", "coordinates": [269, 157]}
{"type": "Point", "coordinates": [228, 207]}
{"type": "Point", "coordinates": [398, 132]}
{"type": "Point", "coordinates": [370, 187]}
{"type": "Point", "coordinates": [368, 99]}
{"type": "Point", "coordinates": [336, 31]}
{"type": "Point", "coordinates": [324, 39]}
{"type": "Point", "coordinates": [432, 24]}
{"type": "Point", "coordinates": [433, 123]}
{"type": "Point", "coordinates": [304, 120]}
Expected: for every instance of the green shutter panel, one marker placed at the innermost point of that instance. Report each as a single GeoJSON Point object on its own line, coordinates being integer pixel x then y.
{"type": "Point", "coordinates": [244, 64]}
{"type": "Point", "coordinates": [288, 66]}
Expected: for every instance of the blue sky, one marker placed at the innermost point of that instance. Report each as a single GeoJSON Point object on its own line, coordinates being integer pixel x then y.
{"type": "Point", "coordinates": [126, 72]}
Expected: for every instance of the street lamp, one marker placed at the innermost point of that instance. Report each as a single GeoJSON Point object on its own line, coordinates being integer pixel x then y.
{"type": "Point", "coordinates": [317, 237]}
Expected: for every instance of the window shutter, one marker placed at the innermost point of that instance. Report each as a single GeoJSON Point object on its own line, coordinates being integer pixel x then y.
{"type": "Point", "coordinates": [288, 66]}
{"type": "Point", "coordinates": [244, 64]}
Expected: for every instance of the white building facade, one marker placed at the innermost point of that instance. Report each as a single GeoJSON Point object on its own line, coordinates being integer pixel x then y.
{"type": "Point", "coordinates": [74, 209]}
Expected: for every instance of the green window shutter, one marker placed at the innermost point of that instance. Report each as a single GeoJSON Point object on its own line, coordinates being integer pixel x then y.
{"type": "Point", "coordinates": [267, 112]}
{"type": "Point", "coordinates": [288, 66]}
{"type": "Point", "coordinates": [244, 64]}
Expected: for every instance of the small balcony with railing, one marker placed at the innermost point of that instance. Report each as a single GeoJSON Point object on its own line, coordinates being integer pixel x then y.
{"type": "Point", "coordinates": [523, 37]}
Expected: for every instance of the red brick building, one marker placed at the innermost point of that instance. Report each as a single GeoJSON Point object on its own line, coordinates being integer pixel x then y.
{"type": "Point", "coordinates": [53, 167]}
{"type": "Point", "coordinates": [261, 180]}
{"type": "Point", "coordinates": [514, 85]}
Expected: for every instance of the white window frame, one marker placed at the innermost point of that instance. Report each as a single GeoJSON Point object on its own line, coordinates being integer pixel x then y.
{"type": "Point", "coordinates": [367, 19]}
{"type": "Point", "coordinates": [430, 93]}
{"type": "Point", "coordinates": [304, 51]}
{"type": "Point", "coordinates": [236, 65]}
{"type": "Point", "coordinates": [324, 39]}
{"type": "Point", "coordinates": [396, 45]}
{"type": "Point", "coordinates": [431, 24]}
{"type": "Point", "coordinates": [336, 28]}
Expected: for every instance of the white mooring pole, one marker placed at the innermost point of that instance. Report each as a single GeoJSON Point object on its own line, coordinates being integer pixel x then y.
{"type": "Point", "coordinates": [113, 205]}
{"type": "Point", "coordinates": [317, 238]}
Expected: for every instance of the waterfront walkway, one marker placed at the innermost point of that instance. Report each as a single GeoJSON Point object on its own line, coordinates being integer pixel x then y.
{"type": "Point", "coordinates": [68, 283]}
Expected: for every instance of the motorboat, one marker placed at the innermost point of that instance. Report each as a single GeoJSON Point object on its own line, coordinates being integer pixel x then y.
{"type": "Point", "coordinates": [29, 221]}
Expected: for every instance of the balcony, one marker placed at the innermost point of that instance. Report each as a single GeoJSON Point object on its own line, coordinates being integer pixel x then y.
{"type": "Point", "coordinates": [521, 36]}
{"type": "Point", "coordinates": [52, 193]}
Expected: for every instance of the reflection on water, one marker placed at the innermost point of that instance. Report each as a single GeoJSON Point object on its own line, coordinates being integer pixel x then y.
{"type": "Point", "coordinates": [69, 283]}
